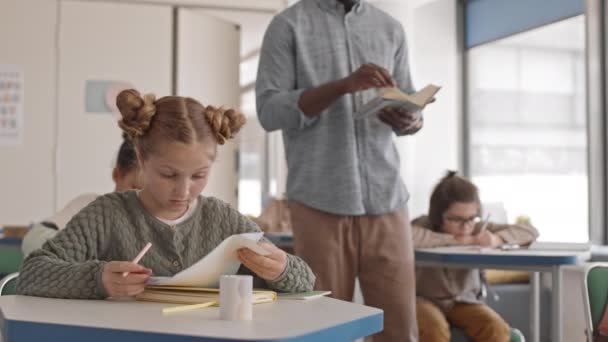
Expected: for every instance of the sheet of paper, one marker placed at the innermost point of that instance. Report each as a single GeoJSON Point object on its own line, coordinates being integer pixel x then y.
{"type": "Point", "coordinates": [222, 260]}
{"type": "Point", "coordinates": [560, 246]}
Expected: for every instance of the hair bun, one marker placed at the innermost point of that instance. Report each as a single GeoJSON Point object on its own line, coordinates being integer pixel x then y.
{"type": "Point", "coordinates": [450, 174]}
{"type": "Point", "coordinates": [136, 111]}
{"type": "Point", "coordinates": [225, 123]}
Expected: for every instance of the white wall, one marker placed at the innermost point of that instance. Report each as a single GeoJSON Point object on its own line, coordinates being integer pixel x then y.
{"type": "Point", "coordinates": [213, 79]}
{"type": "Point", "coordinates": [253, 26]}
{"type": "Point", "coordinates": [256, 5]}
{"type": "Point", "coordinates": [32, 182]}
{"type": "Point", "coordinates": [92, 49]}
{"type": "Point", "coordinates": [435, 58]}
{"type": "Point", "coordinates": [431, 30]}
{"type": "Point", "coordinates": [430, 26]}
{"type": "Point", "coordinates": [27, 36]}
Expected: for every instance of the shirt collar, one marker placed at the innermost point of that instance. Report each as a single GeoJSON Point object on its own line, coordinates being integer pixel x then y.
{"type": "Point", "coordinates": [335, 6]}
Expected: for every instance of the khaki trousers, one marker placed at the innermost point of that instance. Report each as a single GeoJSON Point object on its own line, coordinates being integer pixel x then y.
{"type": "Point", "coordinates": [376, 248]}
{"type": "Point", "coordinates": [478, 321]}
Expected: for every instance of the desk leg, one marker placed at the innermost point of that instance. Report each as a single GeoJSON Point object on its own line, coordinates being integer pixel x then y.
{"type": "Point", "coordinates": [556, 305]}
{"type": "Point", "coordinates": [534, 306]}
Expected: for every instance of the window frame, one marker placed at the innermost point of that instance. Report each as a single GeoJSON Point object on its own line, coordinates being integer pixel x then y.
{"type": "Point", "coordinates": [596, 102]}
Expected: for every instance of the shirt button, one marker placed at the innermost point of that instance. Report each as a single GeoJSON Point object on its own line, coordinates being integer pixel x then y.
{"type": "Point", "coordinates": [176, 263]}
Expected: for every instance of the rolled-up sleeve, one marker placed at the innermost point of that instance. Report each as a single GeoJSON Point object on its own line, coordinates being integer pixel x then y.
{"type": "Point", "coordinates": [401, 71]}
{"type": "Point", "coordinates": [276, 94]}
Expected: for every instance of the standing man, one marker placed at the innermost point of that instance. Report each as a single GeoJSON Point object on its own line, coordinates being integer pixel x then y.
{"type": "Point", "coordinates": [320, 61]}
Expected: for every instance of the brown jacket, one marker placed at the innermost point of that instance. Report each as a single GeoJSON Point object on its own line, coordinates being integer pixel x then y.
{"type": "Point", "coordinates": [446, 286]}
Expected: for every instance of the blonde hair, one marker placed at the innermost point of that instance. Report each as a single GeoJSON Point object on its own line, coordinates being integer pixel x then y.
{"type": "Point", "coordinates": [146, 120]}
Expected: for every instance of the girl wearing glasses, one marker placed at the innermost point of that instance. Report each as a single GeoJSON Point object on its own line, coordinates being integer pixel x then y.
{"type": "Point", "coordinates": [451, 296]}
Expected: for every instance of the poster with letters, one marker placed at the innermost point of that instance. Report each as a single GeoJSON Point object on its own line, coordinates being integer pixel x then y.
{"type": "Point", "coordinates": [11, 104]}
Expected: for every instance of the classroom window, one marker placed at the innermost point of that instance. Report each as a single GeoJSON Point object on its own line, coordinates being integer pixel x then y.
{"type": "Point", "coordinates": [527, 127]}
{"type": "Point", "coordinates": [251, 159]}
{"type": "Point", "coordinates": [260, 152]}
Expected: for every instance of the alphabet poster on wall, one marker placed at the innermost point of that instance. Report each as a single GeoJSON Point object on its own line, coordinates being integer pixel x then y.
{"type": "Point", "coordinates": [11, 104]}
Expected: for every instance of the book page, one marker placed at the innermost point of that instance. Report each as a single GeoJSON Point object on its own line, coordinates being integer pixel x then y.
{"type": "Point", "coordinates": [425, 95]}
{"type": "Point", "coordinates": [393, 97]}
{"type": "Point", "coordinates": [395, 94]}
{"type": "Point", "coordinates": [560, 246]}
{"type": "Point", "coordinates": [419, 99]}
{"type": "Point", "coordinates": [222, 260]}
{"type": "Point", "coordinates": [190, 297]}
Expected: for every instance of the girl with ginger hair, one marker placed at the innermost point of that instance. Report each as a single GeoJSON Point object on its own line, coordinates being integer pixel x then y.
{"type": "Point", "coordinates": [176, 140]}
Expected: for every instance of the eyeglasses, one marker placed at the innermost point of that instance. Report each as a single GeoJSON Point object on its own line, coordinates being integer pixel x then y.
{"type": "Point", "coordinates": [461, 221]}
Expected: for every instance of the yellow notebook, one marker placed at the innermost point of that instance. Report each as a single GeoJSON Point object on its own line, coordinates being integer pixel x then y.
{"type": "Point", "coordinates": [194, 295]}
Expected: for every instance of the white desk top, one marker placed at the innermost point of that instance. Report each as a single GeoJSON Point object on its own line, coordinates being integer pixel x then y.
{"type": "Point", "coordinates": [322, 318]}
{"type": "Point", "coordinates": [475, 250]}
{"type": "Point", "coordinates": [472, 255]}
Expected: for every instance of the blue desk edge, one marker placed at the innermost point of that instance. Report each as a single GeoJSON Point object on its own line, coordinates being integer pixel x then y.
{"type": "Point", "coordinates": [503, 259]}
{"type": "Point", "coordinates": [30, 331]}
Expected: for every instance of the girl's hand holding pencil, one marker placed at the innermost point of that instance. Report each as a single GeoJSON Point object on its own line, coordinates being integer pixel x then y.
{"type": "Point", "coordinates": [483, 238]}
{"type": "Point", "coordinates": [125, 278]}
{"type": "Point", "coordinates": [486, 238]}
{"type": "Point", "coordinates": [116, 285]}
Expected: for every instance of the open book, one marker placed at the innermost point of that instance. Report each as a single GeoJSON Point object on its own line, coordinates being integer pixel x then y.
{"type": "Point", "coordinates": [194, 295]}
{"type": "Point", "coordinates": [222, 260]}
{"type": "Point", "coordinates": [393, 97]}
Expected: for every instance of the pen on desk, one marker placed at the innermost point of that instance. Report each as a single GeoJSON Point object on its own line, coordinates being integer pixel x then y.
{"type": "Point", "coordinates": [485, 224]}
{"type": "Point", "coordinates": [183, 308]}
{"type": "Point", "coordinates": [139, 256]}
{"type": "Point", "coordinates": [510, 247]}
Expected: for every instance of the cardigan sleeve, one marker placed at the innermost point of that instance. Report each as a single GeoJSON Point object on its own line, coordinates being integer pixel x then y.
{"type": "Point", "coordinates": [67, 266]}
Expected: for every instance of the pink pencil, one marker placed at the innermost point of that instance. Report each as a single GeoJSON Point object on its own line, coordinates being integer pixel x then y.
{"type": "Point", "coordinates": [139, 256]}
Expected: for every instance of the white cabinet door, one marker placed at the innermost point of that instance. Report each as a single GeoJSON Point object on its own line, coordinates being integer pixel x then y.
{"type": "Point", "coordinates": [208, 60]}
{"type": "Point", "coordinates": [104, 42]}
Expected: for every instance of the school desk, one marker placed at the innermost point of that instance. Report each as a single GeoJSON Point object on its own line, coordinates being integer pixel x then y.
{"type": "Point", "coordinates": [535, 261]}
{"type": "Point", "coordinates": [24, 318]}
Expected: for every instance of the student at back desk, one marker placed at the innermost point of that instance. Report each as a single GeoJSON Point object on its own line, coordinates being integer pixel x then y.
{"type": "Point", "coordinates": [451, 296]}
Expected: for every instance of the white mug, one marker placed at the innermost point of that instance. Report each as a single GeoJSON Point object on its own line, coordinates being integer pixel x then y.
{"type": "Point", "coordinates": [236, 297]}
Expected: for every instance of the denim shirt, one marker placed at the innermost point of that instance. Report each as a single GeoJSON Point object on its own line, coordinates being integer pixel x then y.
{"type": "Point", "coordinates": [335, 163]}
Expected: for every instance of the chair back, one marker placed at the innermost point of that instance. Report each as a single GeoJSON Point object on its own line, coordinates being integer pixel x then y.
{"type": "Point", "coordinates": [8, 284]}
{"type": "Point", "coordinates": [595, 294]}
